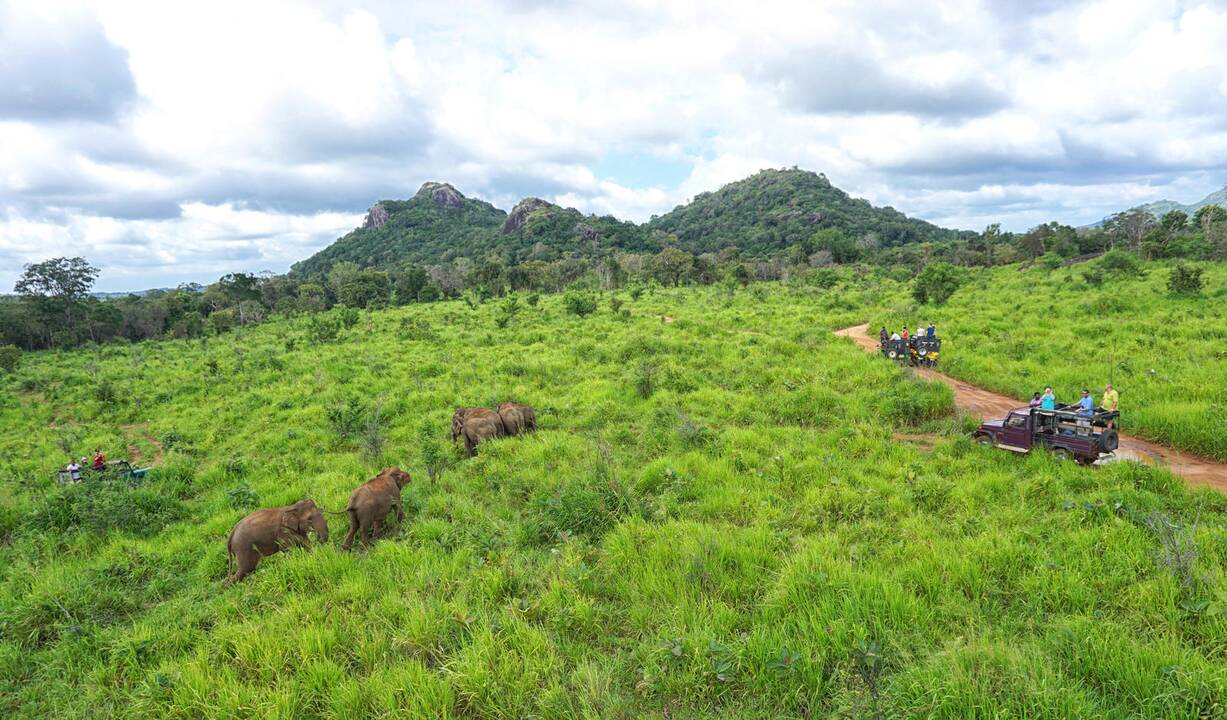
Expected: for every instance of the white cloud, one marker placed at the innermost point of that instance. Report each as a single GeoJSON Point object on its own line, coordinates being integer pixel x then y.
{"type": "Point", "coordinates": [199, 139]}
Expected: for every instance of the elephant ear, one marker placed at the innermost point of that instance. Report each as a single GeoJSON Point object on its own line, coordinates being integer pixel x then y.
{"type": "Point", "coordinates": [292, 517]}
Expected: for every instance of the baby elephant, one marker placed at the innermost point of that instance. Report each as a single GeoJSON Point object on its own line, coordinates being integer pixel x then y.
{"type": "Point", "coordinates": [517, 418]}
{"type": "Point", "coordinates": [271, 530]}
{"type": "Point", "coordinates": [477, 425]}
{"type": "Point", "coordinates": [370, 503]}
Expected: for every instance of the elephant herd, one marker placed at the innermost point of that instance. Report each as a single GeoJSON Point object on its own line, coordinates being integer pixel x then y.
{"type": "Point", "coordinates": [271, 530]}
{"type": "Point", "coordinates": [477, 425]}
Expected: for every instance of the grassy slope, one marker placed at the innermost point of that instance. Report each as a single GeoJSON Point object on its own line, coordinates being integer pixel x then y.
{"type": "Point", "coordinates": [635, 558]}
{"type": "Point", "coordinates": [1015, 332]}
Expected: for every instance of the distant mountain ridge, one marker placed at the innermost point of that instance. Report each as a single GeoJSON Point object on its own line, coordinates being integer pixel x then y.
{"type": "Point", "coordinates": [763, 214]}
{"type": "Point", "coordinates": [1162, 207]}
{"type": "Point", "coordinates": [1159, 208]}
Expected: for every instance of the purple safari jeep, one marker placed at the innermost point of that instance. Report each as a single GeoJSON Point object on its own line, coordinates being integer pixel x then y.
{"type": "Point", "coordinates": [1065, 431]}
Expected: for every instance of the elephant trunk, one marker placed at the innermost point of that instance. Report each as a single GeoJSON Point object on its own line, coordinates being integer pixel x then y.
{"type": "Point", "coordinates": [321, 528]}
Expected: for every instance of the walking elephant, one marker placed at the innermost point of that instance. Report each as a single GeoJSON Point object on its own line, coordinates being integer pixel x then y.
{"type": "Point", "coordinates": [517, 418]}
{"type": "Point", "coordinates": [271, 530]}
{"type": "Point", "coordinates": [371, 503]}
{"type": "Point", "coordinates": [479, 425]}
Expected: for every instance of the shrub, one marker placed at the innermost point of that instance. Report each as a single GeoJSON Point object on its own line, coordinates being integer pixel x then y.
{"type": "Point", "coordinates": [10, 358]}
{"type": "Point", "coordinates": [825, 278]}
{"type": "Point", "coordinates": [587, 505]}
{"type": "Point", "coordinates": [1121, 262]}
{"type": "Point", "coordinates": [534, 298]}
{"type": "Point", "coordinates": [106, 392]}
{"type": "Point", "coordinates": [242, 498]}
{"type": "Point", "coordinates": [615, 304]}
{"type": "Point", "coordinates": [417, 328]}
{"type": "Point", "coordinates": [645, 379]}
{"type": "Point", "coordinates": [580, 303]}
{"type": "Point", "coordinates": [937, 282]}
{"type": "Point", "coordinates": [346, 419]}
{"type": "Point", "coordinates": [1185, 280]}
{"type": "Point", "coordinates": [222, 321]}
{"type": "Point", "coordinates": [323, 328]}
{"type": "Point", "coordinates": [507, 310]}
{"type": "Point", "coordinates": [348, 316]}
{"type": "Point", "coordinates": [1093, 277]}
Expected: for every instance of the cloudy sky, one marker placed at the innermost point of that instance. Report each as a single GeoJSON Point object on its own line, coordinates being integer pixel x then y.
{"type": "Point", "coordinates": [177, 141]}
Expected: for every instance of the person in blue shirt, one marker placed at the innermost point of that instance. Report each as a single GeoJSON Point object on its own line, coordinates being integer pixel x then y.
{"type": "Point", "coordinates": [1048, 401]}
{"type": "Point", "coordinates": [1086, 406]}
{"type": "Point", "coordinates": [931, 331]}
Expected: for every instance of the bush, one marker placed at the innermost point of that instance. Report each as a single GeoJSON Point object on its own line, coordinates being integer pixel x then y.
{"type": "Point", "coordinates": [1093, 277]}
{"type": "Point", "coordinates": [347, 418]}
{"type": "Point", "coordinates": [915, 402]}
{"type": "Point", "coordinates": [587, 506]}
{"type": "Point", "coordinates": [10, 358]}
{"type": "Point", "coordinates": [1121, 262]}
{"type": "Point", "coordinates": [1185, 280]}
{"type": "Point", "coordinates": [937, 282]}
{"type": "Point", "coordinates": [323, 328]}
{"type": "Point", "coordinates": [579, 303]}
{"type": "Point", "coordinates": [417, 328]}
{"type": "Point", "coordinates": [222, 321]}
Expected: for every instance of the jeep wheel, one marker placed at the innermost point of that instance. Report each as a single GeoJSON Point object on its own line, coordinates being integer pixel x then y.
{"type": "Point", "coordinates": [1061, 454]}
{"type": "Point", "coordinates": [985, 439]}
{"type": "Point", "coordinates": [1085, 460]}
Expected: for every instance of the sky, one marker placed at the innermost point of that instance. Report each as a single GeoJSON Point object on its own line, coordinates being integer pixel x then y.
{"type": "Point", "coordinates": [177, 141]}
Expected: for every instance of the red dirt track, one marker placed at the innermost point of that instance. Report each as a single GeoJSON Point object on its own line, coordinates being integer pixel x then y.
{"type": "Point", "coordinates": [988, 405]}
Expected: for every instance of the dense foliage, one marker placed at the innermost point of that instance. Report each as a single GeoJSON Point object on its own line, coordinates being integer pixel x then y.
{"type": "Point", "coordinates": [773, 210]}
{"type": "Point", "coordinates": [730, 514]}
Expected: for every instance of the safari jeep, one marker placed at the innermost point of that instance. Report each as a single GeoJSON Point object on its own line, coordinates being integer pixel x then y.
{"type": "Point", "coordinates": [1063, 431]}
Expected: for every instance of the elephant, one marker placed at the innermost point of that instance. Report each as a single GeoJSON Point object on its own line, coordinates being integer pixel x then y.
{"type": "Point", "coordinates": [371, 502]}
{"type": "Point", "coordinates": [479, 425]}
{"type": "Point", "coordinates": [517, 418]}
{"type": "Point", "coordinates": [458, 421]}
{"type": "Point", "coordinates": [271, 530]}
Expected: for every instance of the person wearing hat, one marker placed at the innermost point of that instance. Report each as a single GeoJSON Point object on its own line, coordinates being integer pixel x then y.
{"type": "Point", "coordinates": [1049, 400]}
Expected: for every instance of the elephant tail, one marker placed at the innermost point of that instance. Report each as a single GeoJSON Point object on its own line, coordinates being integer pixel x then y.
{"type": "Point", "coordinates": [230, 541]}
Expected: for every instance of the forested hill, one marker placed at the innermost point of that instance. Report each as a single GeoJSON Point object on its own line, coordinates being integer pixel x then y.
{"type": "Point", "coordinates": [435, 224]}
{"type": "Point", "coordinates": [761, 215]}
{"type": "Point", "coordinates": [775, 209]}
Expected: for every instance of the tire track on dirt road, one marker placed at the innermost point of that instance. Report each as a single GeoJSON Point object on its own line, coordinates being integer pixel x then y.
{"type": "Point", "coordinates": [988, 405]}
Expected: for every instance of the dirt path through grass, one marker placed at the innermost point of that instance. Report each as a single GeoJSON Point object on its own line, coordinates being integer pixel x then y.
{"type": "Point", "coordinates": [989, 405]}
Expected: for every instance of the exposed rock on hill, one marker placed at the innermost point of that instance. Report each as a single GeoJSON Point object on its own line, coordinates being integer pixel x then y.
{"type": "Point", "coordinates": [375, 217]}
{"type": "Point", "coordinates": [519, 214]}
{"type": "Point", "coordinates": [442, 194]}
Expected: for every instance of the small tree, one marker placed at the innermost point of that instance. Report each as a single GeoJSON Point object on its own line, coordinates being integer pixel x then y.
{"type": "Point", "coordinates": [1185, 280]}
{"type": "Point", "coordinates": [579, 303]}
{"type": "Point", "coordinates": [10, 358]}
{"type": "Point", "coordinates": [936, 283]}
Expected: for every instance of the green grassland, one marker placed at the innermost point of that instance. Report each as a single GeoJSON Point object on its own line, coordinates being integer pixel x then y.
{"type": "Point", "coordinates": [1016, 330]}
{"type": "Point", "coordinates": [716, 518]}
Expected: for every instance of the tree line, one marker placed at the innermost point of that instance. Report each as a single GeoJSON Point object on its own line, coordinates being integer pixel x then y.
{"type": "Point", "coordinates": [52, 305]}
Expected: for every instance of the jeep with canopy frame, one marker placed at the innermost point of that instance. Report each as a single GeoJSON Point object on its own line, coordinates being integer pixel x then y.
{"type": "Point", "coordinates": [1066, 431]}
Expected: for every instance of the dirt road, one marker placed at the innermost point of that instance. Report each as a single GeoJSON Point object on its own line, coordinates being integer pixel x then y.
{"type": "Point", "coordinates": [988, 405]}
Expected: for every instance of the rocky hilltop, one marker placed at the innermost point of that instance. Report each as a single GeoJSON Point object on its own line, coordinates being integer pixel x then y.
{"type": "Point", "coordinates": [760, 215]}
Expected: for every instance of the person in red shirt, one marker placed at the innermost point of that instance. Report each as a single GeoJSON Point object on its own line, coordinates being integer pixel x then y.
{"type": "Point", "coordinates": [100, 460]}
{"type": "Point", "coordinates": [904, 333]}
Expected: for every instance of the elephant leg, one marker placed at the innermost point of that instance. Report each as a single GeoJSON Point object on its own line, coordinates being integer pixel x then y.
{"type": "Point", "coordinates": [470, 446]}
{"type": "Point", "coordinates": [365, 530]}
{"type": "Point", "coordinates": [400, 514]}
{"type": "Point", "coordinates": [245, 562]}
{"type": "Point", "coordinates": [349, 537]}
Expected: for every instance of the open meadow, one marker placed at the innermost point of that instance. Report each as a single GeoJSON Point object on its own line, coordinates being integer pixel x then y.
{"type": "Point", "coordinates": [726, 511]}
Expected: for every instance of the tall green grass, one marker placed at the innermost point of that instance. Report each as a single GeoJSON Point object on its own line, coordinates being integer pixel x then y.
{"type": "Point", "coordinates": [739, 536]}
